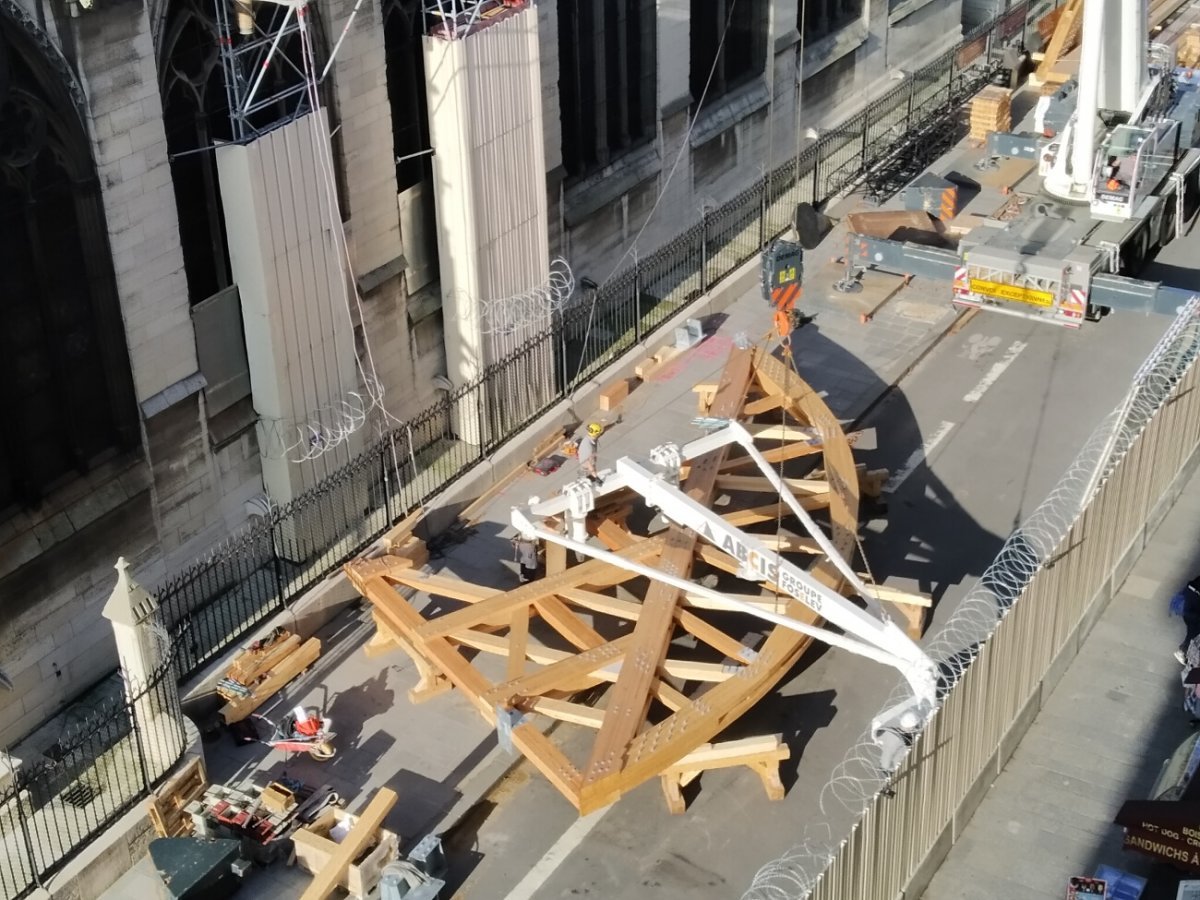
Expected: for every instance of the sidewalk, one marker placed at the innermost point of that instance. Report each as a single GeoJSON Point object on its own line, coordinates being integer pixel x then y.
{"type": "Point", "coordinates": [1100, 740]}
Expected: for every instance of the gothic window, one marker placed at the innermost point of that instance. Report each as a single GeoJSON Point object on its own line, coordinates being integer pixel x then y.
{"type": "Point", "coordinates": [66, 395]}
{"type": "Point", "coordinates": [821, 18]}
{"type": "Point", "coordinates": [608, 79]}
{"type": "Point", "coordinates": [196, 114]}
{"type": "Point", "coordinates": [741, 57]}
{"type": "Point", "coordinates": [403, 26]}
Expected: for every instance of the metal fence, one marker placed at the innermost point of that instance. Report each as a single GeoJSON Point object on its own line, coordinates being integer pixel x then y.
{"type": "Point", "coordinates": [258, 571]}
{"type": "Point", "coordinates": [1025, 618]}
{"type": "Point", "coordinates": [100, 766]}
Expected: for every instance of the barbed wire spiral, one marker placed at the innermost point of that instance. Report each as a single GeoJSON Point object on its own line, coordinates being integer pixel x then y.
{"type": "Point", "coordinates": [535, 307]}
{"type": "Point", "coordinates": [863, 774]}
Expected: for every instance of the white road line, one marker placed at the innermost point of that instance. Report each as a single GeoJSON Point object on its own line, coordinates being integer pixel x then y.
{"type": "Point", "coordinates": [994, 373]}
{"type": "Point", "coordinates": [556, 855]}
{"type": "Point", "coordinates": [918, 456]}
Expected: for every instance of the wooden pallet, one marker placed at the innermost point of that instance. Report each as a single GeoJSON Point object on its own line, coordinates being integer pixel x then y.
{"type": "Point", "coordinates": [166, 805]}
{"type": "Point", "coordinates": [282, 671]}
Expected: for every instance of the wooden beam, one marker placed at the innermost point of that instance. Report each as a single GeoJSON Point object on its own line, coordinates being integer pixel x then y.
{"type": "Point", "coordinates": [759, 484]}
{"type": "Point", "coordinates": [1064, 33]}
{"type": "Point", "coordinates": [518, 642]}
{"type": "Point", "coordinates": [548, 760]}
{"type": "Point", "coordinates": [790, 543]}
{"type": "Point", "coordinates": [563, 619]}
{"type": "Point", "coordinates": [757, 407]}
{"type": "Point", "coordinates": [788, 433]}
{"type": "Point", "coordinates": [594, 572]}
{"type": "Point", "coordinates": [404, 621]}
{"type": "Point", "coordinates": [773, 455]}
{"type": "Point", "coordinates": [710, 635]}
{"type": "Point", "coordinates": [444, 586]}
{"type": "Point", "coordinates": [630, 697]}
{"type": "Point", "coordinates": [569, 668]}
{"type": "Point", "coordinates": [740, 518]}
{"type": "Point", "coordinates": [565, 711]}
{"type": "Point", "coordinates": [361, 835]}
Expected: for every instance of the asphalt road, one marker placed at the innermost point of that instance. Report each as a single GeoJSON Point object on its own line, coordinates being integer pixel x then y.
{"type": "Point", "coordinates": [975, 436]}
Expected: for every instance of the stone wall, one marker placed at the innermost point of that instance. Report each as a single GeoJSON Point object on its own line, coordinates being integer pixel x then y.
{"type": "Point", "coordinates": [739, 136]}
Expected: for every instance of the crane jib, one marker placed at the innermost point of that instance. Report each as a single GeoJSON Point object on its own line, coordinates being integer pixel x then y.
{"type": "Point", "coordinates": [763, 565]}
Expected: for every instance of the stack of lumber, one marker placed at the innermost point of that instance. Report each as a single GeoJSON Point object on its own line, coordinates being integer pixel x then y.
{"type": "Point", "coordinates": [991, 110]}
{"type": "Point", "coordinates": [1047, 23]}
{"type": "Point", "coordinates": [262, 669]}
{"type": "Point", "coordinates": [166, 805]}
{"type": "Point", "coordinates": [1188, 52]}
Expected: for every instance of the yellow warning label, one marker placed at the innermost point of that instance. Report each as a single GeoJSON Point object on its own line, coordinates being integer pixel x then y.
{"type": "Point", "coordinates": [1012, 292]}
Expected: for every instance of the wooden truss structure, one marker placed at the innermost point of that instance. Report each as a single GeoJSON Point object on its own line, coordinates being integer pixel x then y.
{"type": "Point", "coordinates": [677, 670]}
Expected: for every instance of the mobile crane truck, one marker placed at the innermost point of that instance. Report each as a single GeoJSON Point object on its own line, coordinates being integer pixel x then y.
{"type": "Point", "coordinates": [1115, 149]}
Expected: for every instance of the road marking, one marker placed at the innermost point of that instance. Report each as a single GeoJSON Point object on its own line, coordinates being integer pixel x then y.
{"type": "Point", "coordinates": [978, 346]}
{"type": "Point", "coordinates": [556, 855]}
{"type": "Point", "coordinates": [918, 456]}
{"type": "Point", "coordinates": [994, 373]}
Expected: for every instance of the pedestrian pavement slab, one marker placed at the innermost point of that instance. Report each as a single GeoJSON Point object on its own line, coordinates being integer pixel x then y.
{"type": "Point", "coordinates": [1099, 740]}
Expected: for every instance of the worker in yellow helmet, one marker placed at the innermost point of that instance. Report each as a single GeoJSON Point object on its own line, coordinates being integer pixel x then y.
{"type": "Point", "coordinates": [589, 444]}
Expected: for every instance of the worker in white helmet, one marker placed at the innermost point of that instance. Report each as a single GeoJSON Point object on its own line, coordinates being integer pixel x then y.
{"type": "Point", "coordinates": [589, 445]}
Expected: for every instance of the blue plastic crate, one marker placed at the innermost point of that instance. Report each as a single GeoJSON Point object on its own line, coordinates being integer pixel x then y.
{"type": "Point", "coordinates": [1121, 885]}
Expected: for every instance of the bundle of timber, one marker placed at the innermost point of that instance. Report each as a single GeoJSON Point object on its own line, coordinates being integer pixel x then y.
{"type": "Point", "coordinates": [991, 110]}
{"type": "Point", "coordinates": [1188, 53]}
{"type": "Point", "coordinates": [262, 669]}
{"type": "Point", "coordinates": [1047, 23]}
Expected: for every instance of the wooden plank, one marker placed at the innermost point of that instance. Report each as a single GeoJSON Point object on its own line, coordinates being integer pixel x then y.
{"type": "Point", "coordinates": [563, 662]}
{"type": "Point", "coordinates": [445, 586]}
{"type": "Point", "coordinates": [404, 621]}
{"type": "Point", "coordinates": [518, 643]}
{"type": "Point", "coordinates": [757, 407]}
{"type": "Point", "coordinates": [723, 754]}
{"type": "Point", "coordinates": [760, 484]}
{"type": "Point", "coordinates": [399, 533]}
{"type": "Point", "coordinates": [630, 697]}
{"type": "Point", "coordinates": [291, 666]}
{"type": "Point", "coordinates": [548, 760]}
{"type": "Point", "coordinates": [1065, 31]}
{"type": "Point", "coordinates": [741, 518]}
{"type": "Point", "coordinates": [773, 455]}
{"type": "Point", "coordinates": [570, 668]}
{"type": "Point", "coordinates": [360, 836]}
{"type": "Point", "coordinates": [710, 634]}
{"type": "Point", "coordinates": [789, 543]}
{"type": "Point", "coordinates": [594, 572]}
{"type": "Point", "coordinates": [566, 711]}
{"type": "Point", "coordinates": [614, 393]}
{"type": "Point", "coordinates": [563, 619]}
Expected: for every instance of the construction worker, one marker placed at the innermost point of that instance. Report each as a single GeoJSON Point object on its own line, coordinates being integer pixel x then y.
{"type": "Point", "coordinates": [589, 444]}
{"type": "Point", "coordinates": [526, 551]}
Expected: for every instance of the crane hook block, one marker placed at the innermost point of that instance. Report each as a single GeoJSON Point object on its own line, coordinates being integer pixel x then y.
{"type": "Point", "coordinates": [783, 272]}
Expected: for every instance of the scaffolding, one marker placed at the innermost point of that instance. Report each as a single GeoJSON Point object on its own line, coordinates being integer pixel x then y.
{"type": "Point", "coordinates": [265, 87]}
{"type": "Point", "coordinates": [455, 19]}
